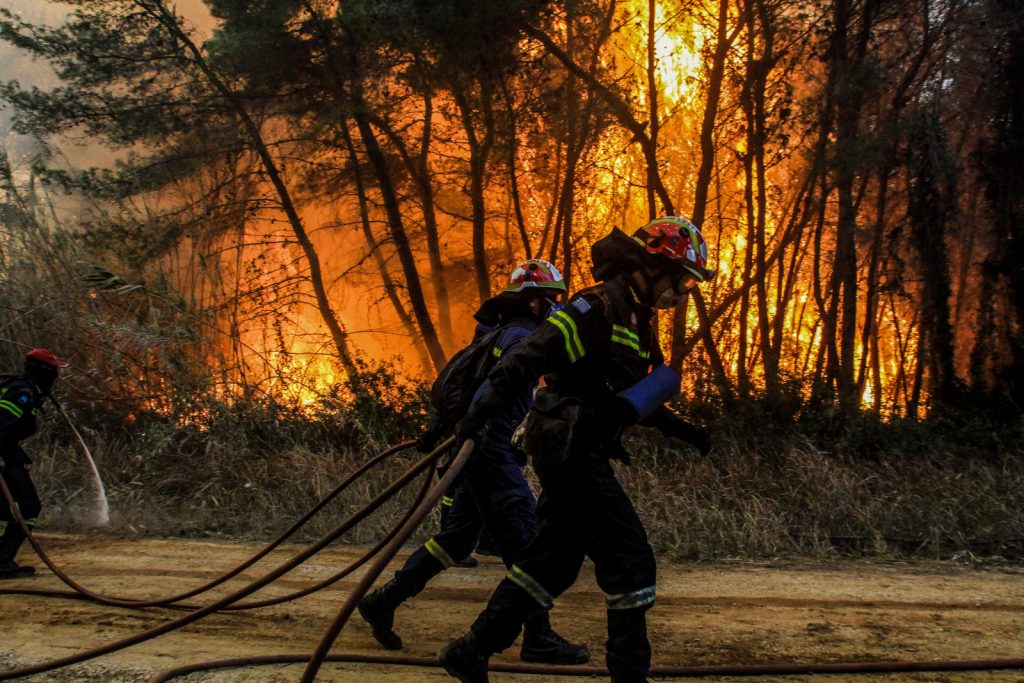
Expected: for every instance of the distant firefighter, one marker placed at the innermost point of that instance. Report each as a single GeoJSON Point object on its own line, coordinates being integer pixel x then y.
{"type": "Point", "coordinates": [603, 370]}
{"type": "Point", "coordinates": [21, 398]}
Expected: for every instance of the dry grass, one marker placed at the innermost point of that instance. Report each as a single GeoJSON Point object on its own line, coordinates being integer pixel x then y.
{"type": "Point", "coordinates": [237, 477]}
{"type": "Point", "coordinates": [805, 502]}
{"type": "Point", "coordinates": [252, 474]}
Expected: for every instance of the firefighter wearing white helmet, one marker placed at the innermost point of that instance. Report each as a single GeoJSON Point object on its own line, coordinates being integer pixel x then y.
{"type": "Point", "coordinates": [603, 371]}
{"type": "Point", "coordinates": [493, 491]}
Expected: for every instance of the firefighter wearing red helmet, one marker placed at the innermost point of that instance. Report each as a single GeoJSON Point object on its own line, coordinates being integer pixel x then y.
{"type": "Point", "coordinates": [492, 491]}
{"type": "Point", "coordinates": [21, 399]}
{"type": "Point", "coordinates": [603, 371]}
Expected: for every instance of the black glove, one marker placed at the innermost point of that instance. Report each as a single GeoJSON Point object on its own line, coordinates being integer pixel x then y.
{"type": "Point", "coordinates": [684, 431]}
{"type": "Point", "coordinates": [472, 426]}
{"type": "Point", "coordinates": [675, 427]}
{"type": "Point", "coordinates": [427, 441]}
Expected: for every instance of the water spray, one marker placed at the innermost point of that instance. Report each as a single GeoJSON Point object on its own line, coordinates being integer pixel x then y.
{"type": "Point", "coordinates": [101, 514]}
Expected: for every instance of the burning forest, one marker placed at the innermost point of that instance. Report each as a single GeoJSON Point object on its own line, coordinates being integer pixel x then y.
{"type": "Point", "coordinates": [283, 216]}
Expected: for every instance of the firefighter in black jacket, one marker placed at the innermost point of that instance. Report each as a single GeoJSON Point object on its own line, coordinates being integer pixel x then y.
{"type": "Point", "coordinates": [21, 398]}
{"type": "Point", "coordinates": [604, 370]}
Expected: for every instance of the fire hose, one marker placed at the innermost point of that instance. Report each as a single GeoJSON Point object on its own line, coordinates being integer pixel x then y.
{"type": "Point", "coordinates": [391, 545]}
{"type": "Point", "coordinates": [411, 473]}
{"type": "Point", "coordinates": [81, 593]}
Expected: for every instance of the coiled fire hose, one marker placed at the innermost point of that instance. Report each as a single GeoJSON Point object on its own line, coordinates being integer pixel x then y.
{"type": "Point", "coordinates": [397, 537]}
{"type": "Point", "coordinates": [81, 592]}
{"type": "Point", "coordinates": [411, 473]}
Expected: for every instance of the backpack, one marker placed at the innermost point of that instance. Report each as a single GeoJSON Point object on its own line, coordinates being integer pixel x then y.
{"type": "Point", "coordinates": [452, 392]}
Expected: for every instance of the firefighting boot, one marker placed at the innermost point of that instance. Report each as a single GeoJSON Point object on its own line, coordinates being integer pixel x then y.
{"type": "Point", "coordinates": [10, 542]}
{"type": "Point", "coordinates": [378, 609]}
{"type": "Point", "coordinates": [468, 562]}
{"type": "Point", "coordinates": [464, 659]}
{"type": "Point", "coordinates": [628, 650]}
{"type": "Point", "coordinates": [542, 645]}
{"type": "Point", "coordinates": [11, 570]}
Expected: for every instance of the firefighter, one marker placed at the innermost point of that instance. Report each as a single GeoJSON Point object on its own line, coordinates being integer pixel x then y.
{"type": "Point", "coordinates": [493, 490]}
{"type": "Point", "coordinates": [21, 399]}
{"type": "Point", "coordinates": [603, 371]}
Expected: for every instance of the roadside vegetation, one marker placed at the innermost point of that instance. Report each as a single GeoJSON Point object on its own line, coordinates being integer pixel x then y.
{"type": "Point", "coordinates": [948, 489]}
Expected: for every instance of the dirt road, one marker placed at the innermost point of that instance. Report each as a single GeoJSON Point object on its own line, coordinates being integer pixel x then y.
{"type": "Point", "coordinates": [725, 613]}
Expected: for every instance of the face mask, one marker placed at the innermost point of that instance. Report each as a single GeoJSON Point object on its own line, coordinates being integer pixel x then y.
{"type": "Point", "coordinates": [673, 292]}
{"type": "Point", "coordinates": [662, 292]}
{"type": "Point", "coordinates": [667, 299]}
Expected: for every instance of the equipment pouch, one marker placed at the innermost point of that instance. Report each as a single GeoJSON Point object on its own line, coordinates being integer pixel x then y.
{"type": "Point", "coordinates": [549, 426]}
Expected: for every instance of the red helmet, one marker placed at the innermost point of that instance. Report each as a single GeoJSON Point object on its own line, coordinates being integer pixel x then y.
{"type": "Point", "coordinates": [44, 357]}
{"type": "Point", "coordinates": [679, 241]}
{"type": "Point", "coordinates": [535, 273]}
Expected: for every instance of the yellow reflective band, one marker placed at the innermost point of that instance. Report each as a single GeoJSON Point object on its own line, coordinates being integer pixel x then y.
{"type": "Point", "coordinates": [626, 332]}
{"type": "Point", "coordinates": [435, 549]}
{"type": "Point", "coordinates": [622, 335]}
{"type": "Point", "coordinates": [565, 334]}
{"type": "Point", "coordinates": [530, 585]}
{"type": "Point", "coordinates": [11, 408]}
{"type": "Point", "coordinates": [496, 352]}
{"type": "Point", "coordinates": [447, 501]}
{"type": "Point", "coordinates": [639, 598]}
{"type": "Point", "coordinates": [31, 522]}
{"type": "Point", "coordinates": [567, 326]}
{"type": "Point", "coordinates": [626, 342]}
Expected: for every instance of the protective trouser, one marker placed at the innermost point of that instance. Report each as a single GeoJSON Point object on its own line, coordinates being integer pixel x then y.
{"type": "Point", "coordinates": [485, 543]}
{"type": "Point", "coordinates": [583, 512]}
{"type": "Point", "coordinates": [24, 493]}
{"type": "Point", "coordinates": [493, 491]}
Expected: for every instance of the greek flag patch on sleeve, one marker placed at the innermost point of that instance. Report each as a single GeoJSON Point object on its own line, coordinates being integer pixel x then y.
{"type": "Point", "coordinates": [581, 305]}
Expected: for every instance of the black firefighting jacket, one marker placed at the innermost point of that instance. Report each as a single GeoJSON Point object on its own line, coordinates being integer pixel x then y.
{"type": "Point", "coordinates": [602, 342]}
{"type": "Point", "coordinates": [19, 407]}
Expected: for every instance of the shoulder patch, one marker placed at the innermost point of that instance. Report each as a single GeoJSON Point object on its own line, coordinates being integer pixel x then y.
{"type": "Point", "coordinates": [580, 304]}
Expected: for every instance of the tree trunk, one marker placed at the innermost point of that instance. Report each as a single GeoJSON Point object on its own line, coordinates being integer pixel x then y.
{"type": "Point", "coordinates": [334, 326]}
{"type": "Point", "coordinates": [513, 173]}
{"type": "Point", "coordinates": [652, 101]}
{"type": "Point", "coordinates": [371, 242]}
{"type": "Point", "coordinates": [479, 151]}
{"type": "Point", "coordinates": [392, 210]}
{"type": "Point", "coordinates": [707, 162]}
{"type": "Point", "coordinates": [419, 171]}
{"type": "Point", "coordinates": [931, 205]}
